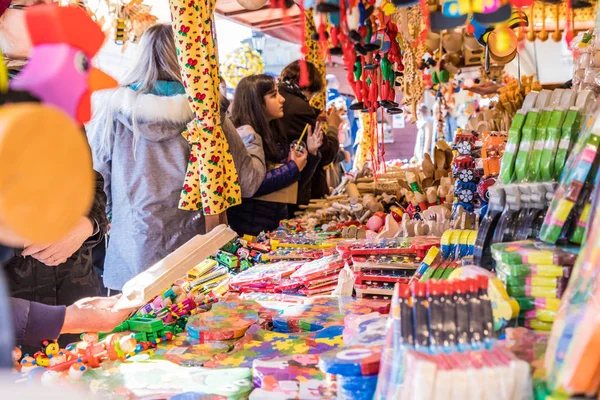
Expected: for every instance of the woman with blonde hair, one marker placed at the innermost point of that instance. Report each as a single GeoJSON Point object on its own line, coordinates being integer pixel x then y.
{"type": "Point", "coordinates": [137, 146]}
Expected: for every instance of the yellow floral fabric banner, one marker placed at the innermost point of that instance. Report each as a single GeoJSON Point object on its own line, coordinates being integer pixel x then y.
{"type": "Point", "coordinates": [363, 152]}
{"type": "Point", "coordinates": [211, 183]}
{"type": "Point", "coordinates": [315, 56]}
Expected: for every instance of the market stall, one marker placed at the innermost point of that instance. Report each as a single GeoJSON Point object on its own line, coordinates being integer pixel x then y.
{"type": "Point", "coordinates": [410, 280]}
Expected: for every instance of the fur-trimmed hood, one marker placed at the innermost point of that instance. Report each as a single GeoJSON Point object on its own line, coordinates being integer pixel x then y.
{"type": "Point", "coordinates": [154, 117]}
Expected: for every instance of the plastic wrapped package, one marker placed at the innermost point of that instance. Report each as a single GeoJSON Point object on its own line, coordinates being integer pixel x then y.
{"type": "Point", "coordinates": [440, 376]}
{"type": "Point", "coordinates": [263, 275]}
{"type": "Point", "coordinates": [580, 169]}
{"type": "Point", "coordinates": [540, 314]}
{"type": "Point", "coordinates": [292, 254]}
{"type": "Point", "coordinates": [533, 280]}
{"type": "Point", "coordinates": [302, 242]}
{"type": "Point", "coordinates": [535, 291]}
{"type": "Point", "coordinates": [427, 325]}
{"type": "Point", "coordinates": [408, 262]}
{"type": "Point", "coordinates": [542, 303]}
{"type": "Point", "coordinates": [418, 245]}
{"type": "Point", "coordinates": [521, 270]}
{"type": "Point", "coordinates": [432, 258]}
{"type": "Point", "coordinates": [534, 252]}
{"type": "Point", "coordinates": [573, 352]}
{"type": "Point", "coordinates": [318, 269]}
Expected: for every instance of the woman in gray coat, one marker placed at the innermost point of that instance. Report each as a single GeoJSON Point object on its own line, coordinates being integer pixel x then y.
{"type": "Point", "coordinates": [137, 146]}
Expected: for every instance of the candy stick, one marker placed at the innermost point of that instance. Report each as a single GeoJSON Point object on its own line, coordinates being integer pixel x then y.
{"type": "Point", "coordinates": [301, 137]}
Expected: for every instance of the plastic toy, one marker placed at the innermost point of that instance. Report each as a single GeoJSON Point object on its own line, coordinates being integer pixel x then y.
{"type": "Point", "coordinates": [64, 41]}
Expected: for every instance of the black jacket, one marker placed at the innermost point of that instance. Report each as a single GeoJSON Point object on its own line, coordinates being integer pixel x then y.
{"type": "Point", "coordinates": [29, 279]}
{"type": "Point", "coordinates": [254, 216]}
{"type": "Point", "coordinates": [297, 112]}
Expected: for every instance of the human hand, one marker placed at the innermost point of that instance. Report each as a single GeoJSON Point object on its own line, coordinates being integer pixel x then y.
{"type": "Point", "coordinates": [334, 118]}
{"type": "Point", "coordinates": [58, 253]}
{"type": "Point", "coordinates": [300, 158]}
{"type": "Point", "coordinates": [95, 314]}
{"type": "Point", "coordinates": [347, 156]}
{"type": "Point", "coordinates": [486, 88]}
{"type": "Point", "coordinates": [315, 139]}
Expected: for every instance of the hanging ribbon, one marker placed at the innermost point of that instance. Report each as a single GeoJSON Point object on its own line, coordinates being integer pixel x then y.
{"type": "Point", "coordinates": [211, 182]}
{"type": "Point", "coordinates": [365, 145]}
{"type": "Point", "coordinates": [314, 56]}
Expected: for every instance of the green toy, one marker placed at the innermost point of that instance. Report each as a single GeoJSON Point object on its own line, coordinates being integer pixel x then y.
{"type": "Point", "coordinates": [553, 135]}
{"type": "Point", "coordinates": [140, 324]}
{"type": "Point", "coordinates": [528, 136]}
{"type": "Point", "coordinates": [541, 135]}
{"type": "Point", "coordinates": [514, 139]}
{"type": "Point", "coordinates": [571, 127]}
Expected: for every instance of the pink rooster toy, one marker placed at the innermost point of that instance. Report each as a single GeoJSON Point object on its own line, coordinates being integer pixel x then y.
{"type": "Point", "coordinates": [59, 71]}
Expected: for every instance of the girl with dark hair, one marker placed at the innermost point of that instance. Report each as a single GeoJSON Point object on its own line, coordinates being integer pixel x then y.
{"type": "Point", "coordinates": [256, 112]}
{"type": "Point", "coordinates": [297, 112]}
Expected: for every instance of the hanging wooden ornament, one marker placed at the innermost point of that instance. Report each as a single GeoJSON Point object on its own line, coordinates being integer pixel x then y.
{"type": "Point", "coordinates": [503, 44]}
{"type": "Point", "coordinates": [543, 34]}
{"type": "Point", "coordinates": [120, 29]}
{"type": "Point", "coordinates": [557, 34]}
{"type": "Point", "coordinates": [531, 31]}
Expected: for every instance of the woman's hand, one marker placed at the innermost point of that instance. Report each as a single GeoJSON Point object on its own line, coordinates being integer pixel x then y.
{"type": "Point", "coordinates": [300, 158]}
{"type": "Point", "coordinates": [95, 314]}
{"type": "Point", "coordinates": [315, 139]}
{"type": "Point", "coordinates": [57, 253]}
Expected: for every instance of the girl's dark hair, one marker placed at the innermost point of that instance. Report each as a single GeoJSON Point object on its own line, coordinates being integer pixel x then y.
{"type": "Point", "coordinates": [291, 74]}
{"type": "Point", "coordinates": [249, 109]}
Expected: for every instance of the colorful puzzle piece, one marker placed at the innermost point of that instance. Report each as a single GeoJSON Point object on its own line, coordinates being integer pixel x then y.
{"type": "Point", "coordinates": [261, 344]}
{"type": "Point", "coordinates": [323, 312]}
{"type": "Point", "coordinates": [221, 323]}
{"type": "Point", "coordinates": [183, 351]}
{"type": "Point", "coordinates": [295, 377]}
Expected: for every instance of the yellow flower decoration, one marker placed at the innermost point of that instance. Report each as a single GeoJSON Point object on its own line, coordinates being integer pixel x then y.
{"type": "Point", "coordinates": [240, 63]}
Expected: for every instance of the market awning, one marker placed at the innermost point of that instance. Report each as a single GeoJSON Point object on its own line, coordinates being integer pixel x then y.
{"type": "Point", "coordinates": [284, 25]}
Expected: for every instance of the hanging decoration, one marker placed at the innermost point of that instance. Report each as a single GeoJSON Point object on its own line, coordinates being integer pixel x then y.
{"type": "Point", "coordinates": [365, 141]}
{"type": "Point", "coordinates": [211, 182]}
{"type": "Point", "coordinates": [410, 20]}
{"type": "Point", "coordinates": [240, 63]}
{"type": "Point", "coordinates": [314, 54]}
{"type": "Point", "coordinates": [124, 21]}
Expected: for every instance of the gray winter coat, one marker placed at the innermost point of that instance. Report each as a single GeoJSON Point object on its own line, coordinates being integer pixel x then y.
{"type": "Point", "coordinates": [143, 180]}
